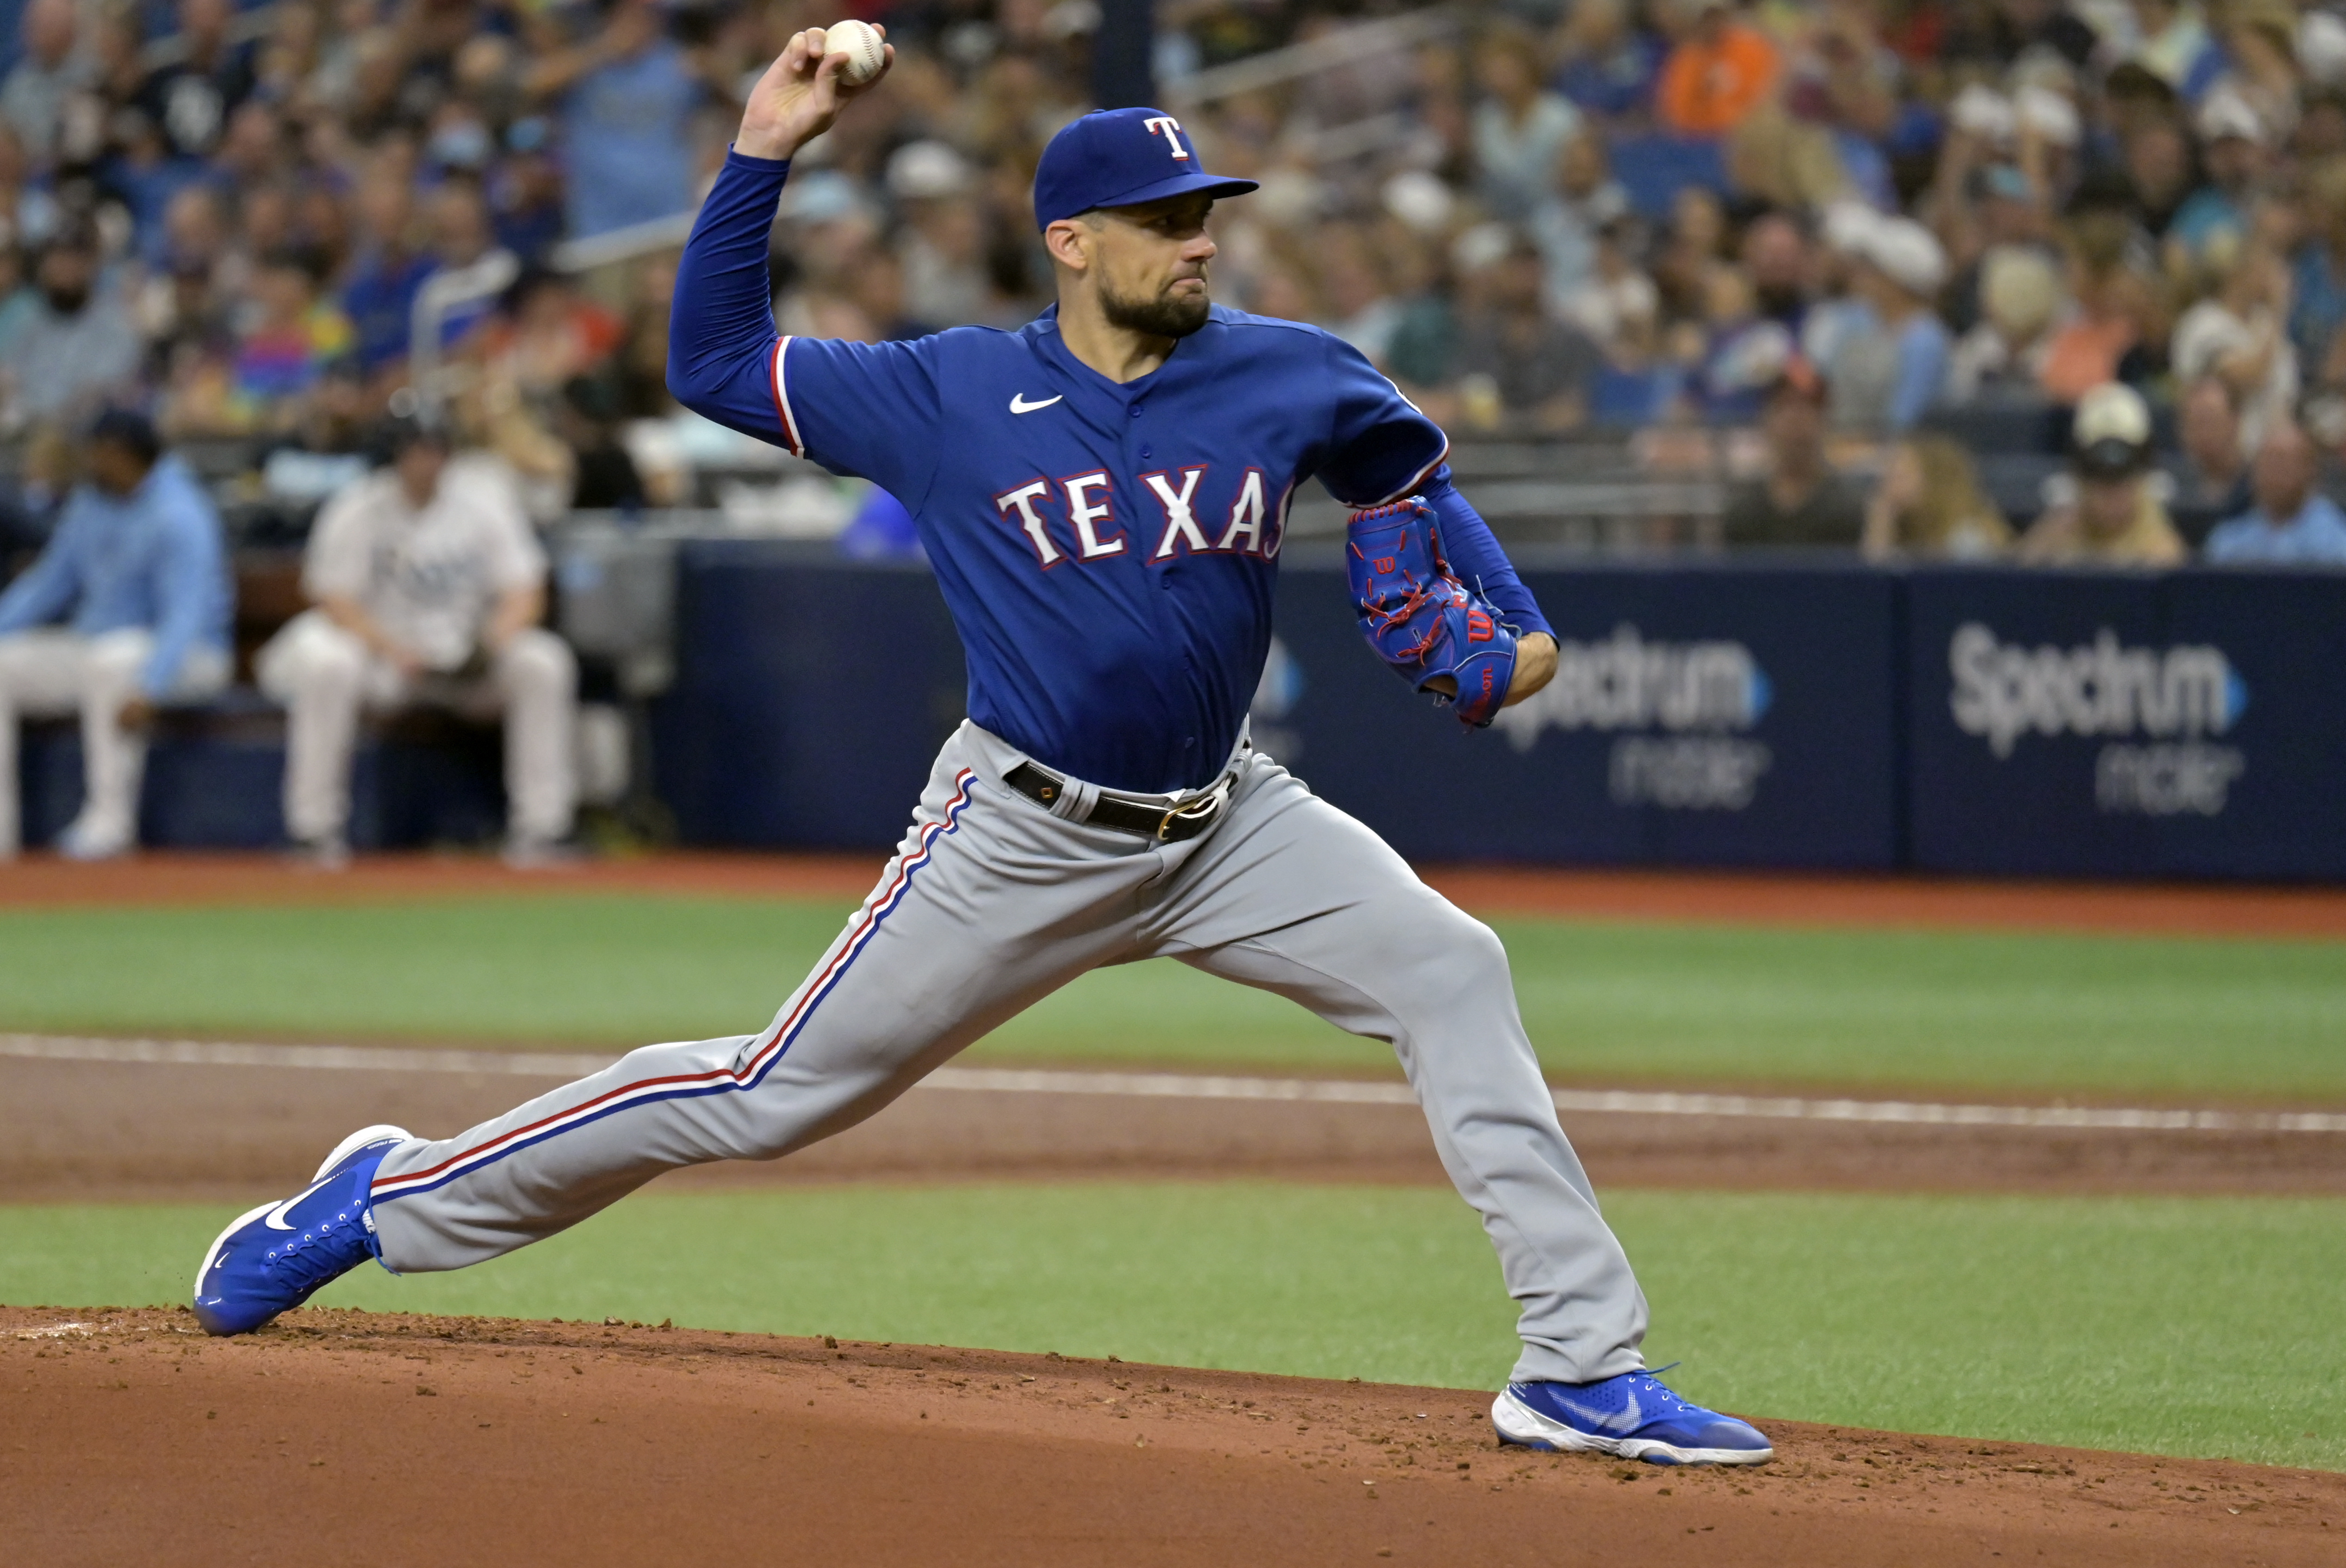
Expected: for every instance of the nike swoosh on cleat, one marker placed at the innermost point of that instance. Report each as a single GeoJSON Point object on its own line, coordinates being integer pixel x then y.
{"type": "Point", "coordinates": [1018, 403]}
{"type": "Point", "coordinates": [275, 1218]}
{"type": "Point", "coordinates": [1629, 1421]}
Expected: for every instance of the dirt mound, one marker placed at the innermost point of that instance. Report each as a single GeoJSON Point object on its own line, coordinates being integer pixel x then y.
{"type": "Point", "coordinates": [353, 1438]}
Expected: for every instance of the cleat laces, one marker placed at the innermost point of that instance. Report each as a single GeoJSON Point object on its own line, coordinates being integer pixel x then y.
{"type": "Point", "coordinates": [324, 1252]}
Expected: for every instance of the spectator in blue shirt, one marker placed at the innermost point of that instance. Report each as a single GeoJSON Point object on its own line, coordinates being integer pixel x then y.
{"type": "Point", "coordinates": [2291, 524]}
{"type": "Point", "coordinates": [1607, 66]}
{"type": "Point", "coordinates": [628, 96]}
{"type": "Point", "coordinates": [380, 299]}
{"type": "Point", "coordinates": [137, 575]}
{"type": "Point", "coordinates": [1889, 368]}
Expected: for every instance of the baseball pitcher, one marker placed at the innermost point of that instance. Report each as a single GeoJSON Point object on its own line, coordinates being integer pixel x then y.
{"type": "Point", "coordinates": [1104, 495]}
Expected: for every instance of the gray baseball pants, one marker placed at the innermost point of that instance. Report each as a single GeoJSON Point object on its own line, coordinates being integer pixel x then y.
{"type": "Point", "coordinates": [991, 903]}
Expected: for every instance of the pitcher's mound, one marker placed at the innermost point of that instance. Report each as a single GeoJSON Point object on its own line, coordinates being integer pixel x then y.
{"type": "Point", "coordinates": [347, 1437]}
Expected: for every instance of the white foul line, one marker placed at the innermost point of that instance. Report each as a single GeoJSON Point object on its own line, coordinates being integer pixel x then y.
{"type": "Point", "coordinates": [1199, 1086]}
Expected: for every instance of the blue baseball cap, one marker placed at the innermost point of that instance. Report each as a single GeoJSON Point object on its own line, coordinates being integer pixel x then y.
{"type": "Point", "coordinates": [1121, 158]}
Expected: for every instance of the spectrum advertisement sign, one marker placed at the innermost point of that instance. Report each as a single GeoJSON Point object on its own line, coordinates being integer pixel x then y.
{"type": "Point", "coordinates": [2189, 724]}
{"type": "Point", "coordinates": [1700, 715]}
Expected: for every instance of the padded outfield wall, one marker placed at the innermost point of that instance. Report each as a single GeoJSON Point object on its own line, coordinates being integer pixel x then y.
{"type": "Point", "coordinates": [1772, 713]}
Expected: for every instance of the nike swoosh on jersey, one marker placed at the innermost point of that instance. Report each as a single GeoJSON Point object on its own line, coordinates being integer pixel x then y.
{"type": "Point", "coordinates": [1018, 403]}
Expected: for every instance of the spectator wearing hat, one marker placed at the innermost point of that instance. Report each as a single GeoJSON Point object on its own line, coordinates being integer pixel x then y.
{"type": "Point", "coordinates": [2291, 524]}
{"type": "Point", "coordinates": [1716, 75]}
{"type": "Point", "coordinates": [1801, 500]}
{"type": "Point", "coordinates": [2114, 520]}
{"type": "Point", "coordinates": [1889, 366]}
{"type": "Point", "coordinates": [942, 251]}
{"type": "Point", "coordinates": [79, 347]}
{"type": "Point", "coordinates": [429, 585]}
{"type": "Point", "coordinates": [2214, 217]}
{"type": "Point", "coordinates": [127, 609]}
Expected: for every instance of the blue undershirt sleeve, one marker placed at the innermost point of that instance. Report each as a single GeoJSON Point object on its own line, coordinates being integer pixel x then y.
{"type": "Point", "coordinates": [864, 409]}
{"type": "Point", "coordinates": [1475, 555]}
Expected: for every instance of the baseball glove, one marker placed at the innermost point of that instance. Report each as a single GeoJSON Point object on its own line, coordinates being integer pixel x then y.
{"type": "Point", "coordinates": [1422, 620]}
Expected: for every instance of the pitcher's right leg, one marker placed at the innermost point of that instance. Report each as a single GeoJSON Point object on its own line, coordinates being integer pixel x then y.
{"type": "Point", "coordinates": [987, 907]}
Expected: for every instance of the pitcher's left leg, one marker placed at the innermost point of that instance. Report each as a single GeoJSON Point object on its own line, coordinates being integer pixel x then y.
{"type": "Point", "coordinates": [1292, 895]}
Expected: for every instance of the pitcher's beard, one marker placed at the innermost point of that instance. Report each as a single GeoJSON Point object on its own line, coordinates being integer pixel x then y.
{"type": "Point", "coordinates": [1161, 317]}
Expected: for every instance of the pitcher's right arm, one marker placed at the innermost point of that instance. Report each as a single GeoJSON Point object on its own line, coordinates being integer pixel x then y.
{"type": "Point", "coordinates": [721, 357]}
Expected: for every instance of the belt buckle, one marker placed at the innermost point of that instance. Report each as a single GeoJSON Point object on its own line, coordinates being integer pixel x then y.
{"type": "Point", "coordinates": [1204, 808]}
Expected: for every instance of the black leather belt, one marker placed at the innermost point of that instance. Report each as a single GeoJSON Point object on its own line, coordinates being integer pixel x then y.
{"type": "Point", "coordinates": [1166, 826]}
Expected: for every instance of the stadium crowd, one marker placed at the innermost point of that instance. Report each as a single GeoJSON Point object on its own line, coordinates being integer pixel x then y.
{"type": "Point", "coordinates": [1546, 218]}
{"type": "Point", "coordinates": [1810, 246]}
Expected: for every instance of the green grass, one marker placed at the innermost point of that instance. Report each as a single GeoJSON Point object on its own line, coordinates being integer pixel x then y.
{"type": "Point", "coordinates": [2036, 1012]}
{"type": "Point", "coordinates": [2203, 1327]}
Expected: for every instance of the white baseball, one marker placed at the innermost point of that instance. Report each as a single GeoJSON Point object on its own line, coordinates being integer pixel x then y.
{"type": "Point", "coordinates": [860, 44]}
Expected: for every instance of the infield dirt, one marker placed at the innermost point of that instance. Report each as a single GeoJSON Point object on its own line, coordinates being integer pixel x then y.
{"type": "Point", "coordinates": [97, 1131]}
{"type": "Point", "coordinates": [353, 1438]}
{"type": "Point", "coordinates": [335, 1436]}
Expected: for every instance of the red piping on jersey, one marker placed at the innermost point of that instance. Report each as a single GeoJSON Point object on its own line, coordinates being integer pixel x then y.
{"type": "Point", "coordinates": [782, 402]}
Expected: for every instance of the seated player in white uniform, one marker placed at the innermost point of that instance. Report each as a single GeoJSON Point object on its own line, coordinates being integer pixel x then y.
{"type": "Point", "coordinates": [136, 574]}
{"type": "Point", "coordinates": [429, 585]}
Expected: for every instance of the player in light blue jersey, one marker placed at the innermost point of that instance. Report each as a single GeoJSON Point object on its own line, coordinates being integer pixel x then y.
{"type": "Point", "coordinates": [1104, 495]}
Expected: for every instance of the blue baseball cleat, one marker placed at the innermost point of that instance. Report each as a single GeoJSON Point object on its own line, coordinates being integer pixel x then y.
{"type": "Point", "coordinates": [1632, 1416]}
{"type": "Point", "coordinates": [279, 1255]}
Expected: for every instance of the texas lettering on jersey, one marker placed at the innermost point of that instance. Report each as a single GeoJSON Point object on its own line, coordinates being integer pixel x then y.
{"type": "Point", "coordinates": [1108, 551]}
{"type": "Point", "coordinates": [1084, 503]}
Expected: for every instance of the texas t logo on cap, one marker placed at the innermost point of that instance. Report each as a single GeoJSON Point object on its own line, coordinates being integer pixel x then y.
{"type": "Point", "coordinates": [1117, 157]}
{"type": "Point", "coordinates": [1170, 129]}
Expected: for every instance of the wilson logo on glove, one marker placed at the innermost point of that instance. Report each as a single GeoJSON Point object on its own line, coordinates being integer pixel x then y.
{"type": "Point", "coordinates": [1420, 619]}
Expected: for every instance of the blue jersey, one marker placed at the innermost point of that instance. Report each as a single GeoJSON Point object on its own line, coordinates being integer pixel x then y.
{"type": "Point", "coordinates": [1108, 552]}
